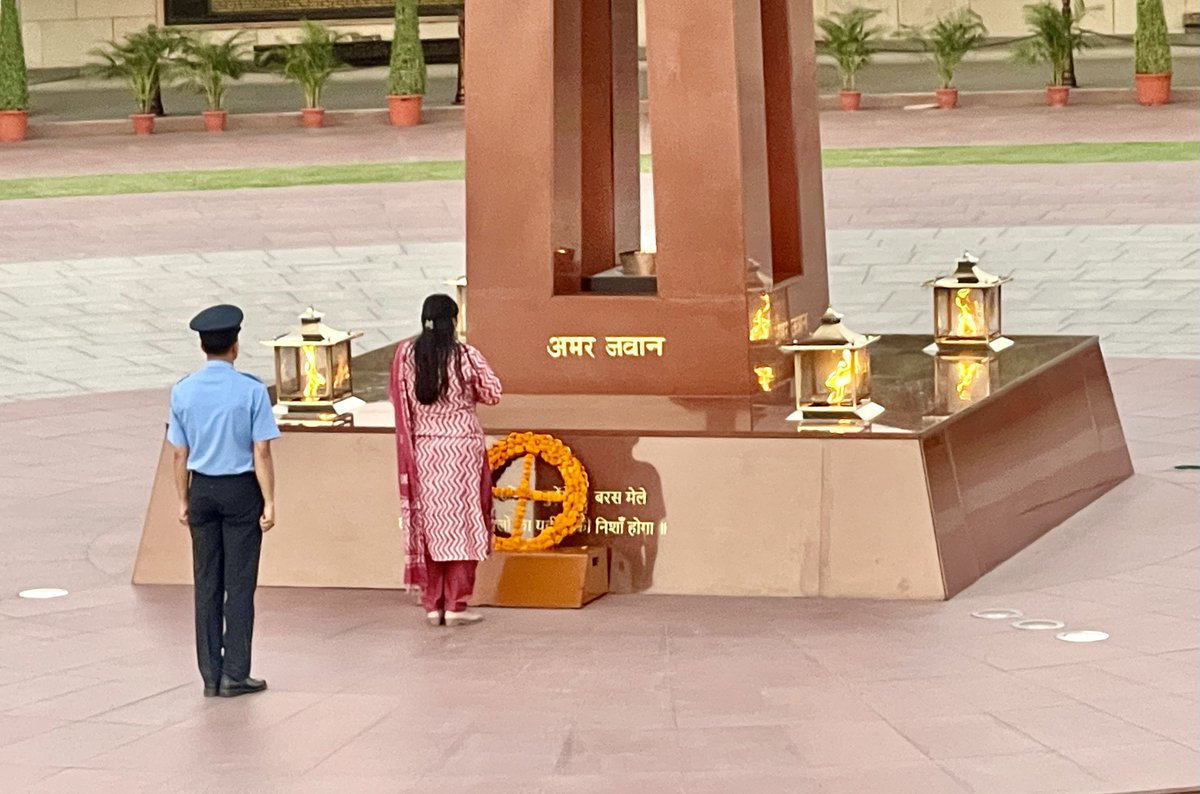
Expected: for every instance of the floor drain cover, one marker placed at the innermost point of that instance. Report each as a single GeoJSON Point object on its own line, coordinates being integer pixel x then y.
{"type": "Point", "coordinates": [1038, 624]}
{"type": "Point", "coordinates": [1082, 635]}
{"type": "Point", "coordinates": [998, 614]}
{"type": "Point", "coordinates": [43, 592]}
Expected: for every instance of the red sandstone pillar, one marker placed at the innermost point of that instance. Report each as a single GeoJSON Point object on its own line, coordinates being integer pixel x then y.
{"type": "Point", "coordinates": [552, 165]}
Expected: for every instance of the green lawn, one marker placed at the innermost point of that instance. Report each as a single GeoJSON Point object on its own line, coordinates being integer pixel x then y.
{"type": "Point", "coordinates": [1038, 153]}
{"type": "Point", "coordinates": [163, 181]}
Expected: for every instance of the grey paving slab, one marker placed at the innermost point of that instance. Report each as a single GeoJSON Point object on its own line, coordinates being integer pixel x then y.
{"type": "Point", "coordinates": [82, 331]}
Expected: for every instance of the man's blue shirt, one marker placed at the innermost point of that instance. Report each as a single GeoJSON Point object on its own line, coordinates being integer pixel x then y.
{"type": "Point", "coordinates": [218, 413]}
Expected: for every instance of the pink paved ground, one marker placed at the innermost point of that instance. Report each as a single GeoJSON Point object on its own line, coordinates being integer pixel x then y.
{"type": "Point", "coordinates": [641, 694]}
{"type": "Point", "coordinates": [443, 140]}
{"type": "Point", "coordinates": [356, 215]}
{"type": "Point", "coordinates": [1122, 193]}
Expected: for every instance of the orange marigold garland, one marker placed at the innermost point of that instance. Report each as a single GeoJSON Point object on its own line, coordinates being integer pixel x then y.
{"type": "Point", "coordinates": [573, 497]}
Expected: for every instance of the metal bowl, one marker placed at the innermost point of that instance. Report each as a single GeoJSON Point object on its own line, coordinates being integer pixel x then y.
{"type": "Point", "coordinates": [637, 263]}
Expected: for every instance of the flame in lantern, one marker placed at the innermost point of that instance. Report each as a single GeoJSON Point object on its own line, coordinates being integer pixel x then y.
{"type": "Point", "coordinates": [342, 376]}
{"type": "Point", "coordinates": [766, 377]}
{"type": "Point", "coordinates": [968, 313]}
{"type": "Point", "coordinates": [760, 325]}
{"type": "Point", "coordinates": [968, 371]}
{"type": "Point", "coordinates": [840, 380]}
{"type": "Point", "coordinates": [313, 379]}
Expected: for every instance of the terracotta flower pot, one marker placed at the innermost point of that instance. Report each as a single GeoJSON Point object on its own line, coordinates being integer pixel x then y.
{"type": "Point", "coordinates": [143, 123]}
{"type": "Point", "coordinates": [947, 98]}
{"type": "Point", "coordinates": [1057, 95]}
{"type": "Point", "coordinates": [312, 118]}
{"type": "Point", "coordinates": [1153, 89]}
{"type": "Point", "coordinates": [214, 120]}
{"type": "Point", "coordinates": [851, 100]}
{"type": "Point", "coordinates": [404, 111]}
{"type": "Point", "coordinates": [13, 125]}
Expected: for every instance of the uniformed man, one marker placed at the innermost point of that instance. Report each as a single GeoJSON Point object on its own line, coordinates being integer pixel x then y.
{"type": "Point", "coordinates": [221, 428]}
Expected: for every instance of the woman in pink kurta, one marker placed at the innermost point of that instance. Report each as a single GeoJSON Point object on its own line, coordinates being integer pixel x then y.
{"type": "Point", "coordinates": [445, 483]}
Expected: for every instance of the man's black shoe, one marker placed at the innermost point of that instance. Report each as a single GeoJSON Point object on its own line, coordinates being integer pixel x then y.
{"type": "Point", "coordinates": [231, 689]}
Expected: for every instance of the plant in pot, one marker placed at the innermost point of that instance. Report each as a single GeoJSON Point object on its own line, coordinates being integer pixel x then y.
{"type": "Point", "coordinates": [1151, 54]}
{"type": "Point", "coordinates": [14, 83]}
{"type": "Point", "coordinates": [850, 41]}
{"type": "Point", "coordinates": [406, 72]}
{"type": "Point", "coordinates": [948, 40]}
{"type": "Point", "coordinates": [309, 63]}
{"type": "Point", "coordinates": [205, 67]}
{"type": "Point", "coordinates": [142, 59]}
{"type": "Point", "coordinates": [1054, 37]}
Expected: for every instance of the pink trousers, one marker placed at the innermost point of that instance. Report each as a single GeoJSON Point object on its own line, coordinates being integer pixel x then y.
{"type": "Point", "coordinates": [448, 585]}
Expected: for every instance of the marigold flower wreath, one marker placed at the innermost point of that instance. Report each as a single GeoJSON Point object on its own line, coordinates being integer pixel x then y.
{"type": "Point", "coordinates": [573, 497]}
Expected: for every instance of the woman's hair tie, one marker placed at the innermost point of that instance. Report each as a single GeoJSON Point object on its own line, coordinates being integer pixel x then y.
{"type": "Point", "coordinates": [429, 324]}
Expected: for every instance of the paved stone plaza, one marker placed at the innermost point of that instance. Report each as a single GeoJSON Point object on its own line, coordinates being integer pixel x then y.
{"type": "Point", "coordinates": [634, 693]}
{"type": "Point", "coordinates": [114, 323]}
{"type": "Point", "coordinates": [125, 272]}
{"type": "Point", "coordinates": [638, 693]}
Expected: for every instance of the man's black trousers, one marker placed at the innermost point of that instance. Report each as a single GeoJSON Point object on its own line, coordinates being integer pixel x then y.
{"type": "Point", "coordinates": [223, 513]}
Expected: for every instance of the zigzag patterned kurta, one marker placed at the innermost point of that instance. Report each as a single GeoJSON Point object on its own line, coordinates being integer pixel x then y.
{"type": "Point", "coordinates": [450, 457]}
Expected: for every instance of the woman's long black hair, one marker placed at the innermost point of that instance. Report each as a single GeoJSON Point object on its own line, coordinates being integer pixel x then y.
{"type": "Point", "coordinates": [434, 348]}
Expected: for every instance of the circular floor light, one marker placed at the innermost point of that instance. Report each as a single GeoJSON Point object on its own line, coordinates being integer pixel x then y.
{"type": "Point", "coordinates": [998, 614]}
{"type": "Point", "coordinates": [43, 592]}
{"type": "Point", "coordinates": [1082, 635]}
{"type": "Point", "coordinates": [1039, 624]}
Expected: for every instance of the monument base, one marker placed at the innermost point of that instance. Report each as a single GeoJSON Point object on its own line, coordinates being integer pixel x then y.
{"type": "Point", "coordinates": [726, 496]}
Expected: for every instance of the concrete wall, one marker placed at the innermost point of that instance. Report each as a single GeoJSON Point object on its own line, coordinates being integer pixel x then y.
{"type": "Point", "coordinates": [60, 32]}
{"type": "Point", "coordinates": [1005, 18]}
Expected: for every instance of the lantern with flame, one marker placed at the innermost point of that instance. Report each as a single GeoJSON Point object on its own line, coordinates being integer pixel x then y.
{"type": "Point", "coordinates": [966, 309]}
{"type": "Point", "coordinates": [760, 320]}
{"type": "Point", "coordinates": [762, 333]}
{"type": "Point", "coordinates": [312, 373]}
{"type": "Point", "coordinates": [460, 297]}
{"type": "Point", "coordinates": [833, 373]}
{"type": "Point", "coordinates": [961, 380]}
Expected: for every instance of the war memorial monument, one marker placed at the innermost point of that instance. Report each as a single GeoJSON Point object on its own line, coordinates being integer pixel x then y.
{"type": "Point", "coordinates": [728, 434]}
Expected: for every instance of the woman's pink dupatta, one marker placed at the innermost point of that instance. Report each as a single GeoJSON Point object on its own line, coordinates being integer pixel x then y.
{"type": "Point", "coordinates": [406, 470]}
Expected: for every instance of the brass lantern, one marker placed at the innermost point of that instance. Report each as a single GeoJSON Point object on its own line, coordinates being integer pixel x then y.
{"type": "Point", "coordinates": [460, 297]}
{"type": "Point", "coordinates": [313, 383]}
{"type": "Point", "coordinates": [769, 327]}
{"type": "Point", "coordinates": [833, 373]}
{"type": "Point", "coordinates": [962, 379]}
{"type": "Point", "coordinates": [966, 309]}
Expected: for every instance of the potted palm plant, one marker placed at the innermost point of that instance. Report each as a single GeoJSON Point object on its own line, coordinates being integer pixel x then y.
{"type": "Point", "coordinates": [309, 63]}
{"type": "Point", "coordinates": [14, 83]}
{"type": "Point", "coordinates": [1054, 37]}
{"type": "Point", "coordinates": [406, 73]}
{"type": "Point", "coordinates": [851, 43]}
{"type": "Point", "coordinates": [142, 59]}
{"type": "Point", "coordinates": [1152, 54]}
{"type": "Point", "coordinates": [948, 40]}
{"type": "Point", "coordinates": [205, 67]}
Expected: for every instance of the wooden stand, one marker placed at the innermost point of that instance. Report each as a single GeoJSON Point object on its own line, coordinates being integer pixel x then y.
{"type": "Point", "coordinates": [565, 578]}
